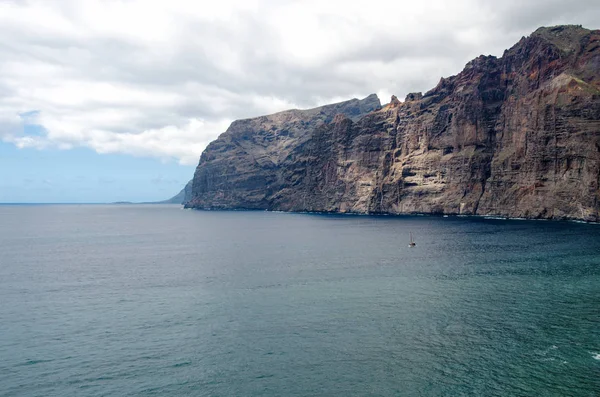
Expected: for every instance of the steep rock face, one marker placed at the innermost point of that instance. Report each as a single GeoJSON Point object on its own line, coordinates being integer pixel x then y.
{"type": "Point", "coordinates": [242, 168]}
{"type": "Point", "coordinates": [515, 136]}
{"type": "Point", "coordinates": [182, 197]}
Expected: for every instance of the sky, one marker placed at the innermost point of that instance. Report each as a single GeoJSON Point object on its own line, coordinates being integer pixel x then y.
{"type": "Point", "coordinates": [114, 100]}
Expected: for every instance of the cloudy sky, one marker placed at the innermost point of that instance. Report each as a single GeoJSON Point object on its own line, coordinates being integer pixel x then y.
{"type": "Point", "coordinates": [104, 100]}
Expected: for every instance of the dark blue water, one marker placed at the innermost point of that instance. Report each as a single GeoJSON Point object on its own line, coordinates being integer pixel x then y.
{"type": "Point", "coordinates": [155, 300]}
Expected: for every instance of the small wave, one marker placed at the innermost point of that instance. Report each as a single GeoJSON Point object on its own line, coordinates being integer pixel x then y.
{"type": "Point", "coordinates": [582, 221]}
{"type": "Point", "coordinates": [33, 362]}
{"type": "Point", "coordinates": [596, 356]}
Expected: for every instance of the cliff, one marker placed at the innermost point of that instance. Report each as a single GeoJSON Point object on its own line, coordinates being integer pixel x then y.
{"type": "Point", "coordinates": [182, 197]}
{"type": "Point", "coordinates": [243, 168]}
{"type": "Point", "coordinates": [513, 136]}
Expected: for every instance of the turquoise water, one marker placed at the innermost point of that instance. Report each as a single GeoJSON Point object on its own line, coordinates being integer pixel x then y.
{"type": "Point", "coordinates": [154, 300]}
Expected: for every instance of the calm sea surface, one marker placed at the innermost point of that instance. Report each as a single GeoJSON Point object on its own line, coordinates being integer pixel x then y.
{"type": "Point", "coordinates": [159, 301]}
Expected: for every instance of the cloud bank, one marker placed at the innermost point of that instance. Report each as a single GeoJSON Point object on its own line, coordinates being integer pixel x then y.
{"type": "Point", "coordinates": [164, 78]}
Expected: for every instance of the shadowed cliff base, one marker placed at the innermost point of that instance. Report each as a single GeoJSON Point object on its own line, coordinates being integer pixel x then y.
{"type": "Point", "coordinates": [516, 136]}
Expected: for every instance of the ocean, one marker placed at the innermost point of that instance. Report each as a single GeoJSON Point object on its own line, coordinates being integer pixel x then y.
{"type": "Point", "coordinates": [154, 300]}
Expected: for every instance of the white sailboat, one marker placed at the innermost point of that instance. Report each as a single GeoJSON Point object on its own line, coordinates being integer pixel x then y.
{"type": "Point", "coordinates": [412, 242]}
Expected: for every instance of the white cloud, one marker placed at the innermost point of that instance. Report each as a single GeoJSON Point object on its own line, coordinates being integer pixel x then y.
{"type": "Point", "coordinates": [162, 79]}
{"type": "Point", "coordinates": [181, 143]}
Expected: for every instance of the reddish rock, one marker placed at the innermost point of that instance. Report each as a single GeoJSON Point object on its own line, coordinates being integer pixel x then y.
{"type": "Point", "coordinates": [513, 136]}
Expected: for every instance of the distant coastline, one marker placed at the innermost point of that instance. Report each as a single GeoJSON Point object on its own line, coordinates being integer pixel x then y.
{"type": "Point", "coordinates": [25, 204]}
{"type": "Point", "coordinates": [75, 203]}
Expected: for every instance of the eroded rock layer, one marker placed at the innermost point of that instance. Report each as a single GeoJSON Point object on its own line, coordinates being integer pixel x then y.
{"type": "Point", "coordinates": [514, 136]}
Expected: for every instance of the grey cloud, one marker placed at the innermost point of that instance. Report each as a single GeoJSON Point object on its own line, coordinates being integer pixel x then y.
{"type": "Point", "coordinates": [526, 16]}
{"type": "Point", "coordinates": [258, 78]}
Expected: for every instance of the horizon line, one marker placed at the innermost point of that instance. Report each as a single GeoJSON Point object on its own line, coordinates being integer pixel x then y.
{"type": "Point", "coordinates": [80, 203]}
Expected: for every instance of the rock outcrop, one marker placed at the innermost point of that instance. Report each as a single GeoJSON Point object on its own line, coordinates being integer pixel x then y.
{"type": "Point", "coordinates": [182, 197]}
{"type": "Point", "coordinates": [243, 168]}
{"type": "Point", "coordinates": [514, 136]}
